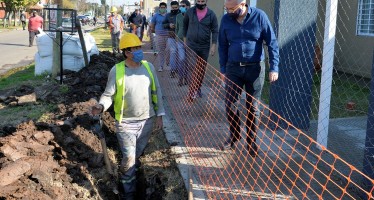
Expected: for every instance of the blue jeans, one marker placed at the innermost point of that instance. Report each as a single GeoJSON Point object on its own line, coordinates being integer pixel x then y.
{"type": "Point", "coordinates": [132, 137]}
{"type": "Point", "coordinates": [138, 32]}
{"type": "Point", "coordinates": [252, 77]}
{"type": "Point", "coordinates": [115, 40]}
{"type": "Point", "coordinates": [176, 53]}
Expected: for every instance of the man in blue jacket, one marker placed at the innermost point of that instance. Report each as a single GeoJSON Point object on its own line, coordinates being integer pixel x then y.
{"type": "Point", "coordinates": [241, 36]}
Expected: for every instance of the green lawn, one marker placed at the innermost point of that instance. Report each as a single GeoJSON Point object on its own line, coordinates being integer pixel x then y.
{"type": "Point", "coordinates": [11, 27]}
{"type": "Point", "coordinates": [20, 76]}
{"type": "Point", "coordinates": [343, 91]}
{"type": "Point", "coordinates": [14, 115]}
{"type": "Point", "coordinates": [102, 38]}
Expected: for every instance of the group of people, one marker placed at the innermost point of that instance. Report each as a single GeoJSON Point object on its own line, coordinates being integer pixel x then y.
{"type": "Point", "coordinates": [137, 23]}
{"type": "Point", "coordinates": [134, 87]}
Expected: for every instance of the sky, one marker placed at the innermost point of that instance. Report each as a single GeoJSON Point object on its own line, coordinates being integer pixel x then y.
{"type": "Point", "coordinates": [116, 2]}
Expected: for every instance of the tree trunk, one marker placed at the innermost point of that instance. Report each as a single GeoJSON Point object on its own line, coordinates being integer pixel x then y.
{"type": "Point", "coordinates": [15, 18]}
{"type": "Point", "coordinates": [10, 18]}
{"type": "Point", "coordinates": [4, 20]}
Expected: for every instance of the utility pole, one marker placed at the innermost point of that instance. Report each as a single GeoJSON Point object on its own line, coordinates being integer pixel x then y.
{"type": "Point", "coordinates": [103, 2]}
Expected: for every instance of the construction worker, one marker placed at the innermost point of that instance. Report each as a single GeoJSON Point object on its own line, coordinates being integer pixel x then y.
{"type": "Point", "coordinates": [138, 107]}
{"type": "Point", "coordinates": [116, 25]}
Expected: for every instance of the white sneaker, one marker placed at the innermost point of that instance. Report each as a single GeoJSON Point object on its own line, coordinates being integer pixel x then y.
{"type": "Point", "coordinates": [160, 69]}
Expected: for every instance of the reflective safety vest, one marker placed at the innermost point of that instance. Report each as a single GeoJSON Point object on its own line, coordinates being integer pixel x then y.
{"type": "Point", "coordinates": [119, 99]}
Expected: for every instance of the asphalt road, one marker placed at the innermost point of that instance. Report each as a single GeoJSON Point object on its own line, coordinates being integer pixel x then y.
{"type": "Point", "coordinates": [15, 50]}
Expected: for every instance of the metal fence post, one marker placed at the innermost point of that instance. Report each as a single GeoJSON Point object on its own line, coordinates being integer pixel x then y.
{"type": "Point", "coordinates": [368, 166]}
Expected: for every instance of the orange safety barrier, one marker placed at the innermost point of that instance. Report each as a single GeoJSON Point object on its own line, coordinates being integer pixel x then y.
{"type": "Point", "coordinates": [290, 164]}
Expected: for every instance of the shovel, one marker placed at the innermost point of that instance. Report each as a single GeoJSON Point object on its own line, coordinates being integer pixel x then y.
{"type": "Point", "coordinates": [97, 128]}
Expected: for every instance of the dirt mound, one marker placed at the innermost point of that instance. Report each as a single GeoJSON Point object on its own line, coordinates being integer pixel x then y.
{"type": "Point", "coordinates": [62, 158]}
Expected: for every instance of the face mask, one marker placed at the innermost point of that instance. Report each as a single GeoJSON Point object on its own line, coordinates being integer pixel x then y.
{"type": "Point", "coordinates": [137, 56]}
{"type": "Point", "coordinates": [200, 6]}
{"type": "Point", "coordinates": [182, 9]}
{"type": "Point", "coordinates": [162, 10]}
{"type": "Point", "coordinates": [174, 11]}
{"type": "Point", "coordinates": [235, 14]}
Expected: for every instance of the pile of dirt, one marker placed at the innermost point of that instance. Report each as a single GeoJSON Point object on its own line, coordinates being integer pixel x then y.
{"type": "Point", "coordinates": [62, 158]}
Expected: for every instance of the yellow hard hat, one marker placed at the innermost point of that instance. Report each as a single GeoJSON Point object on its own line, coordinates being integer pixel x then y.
{"type": "Point", "coordinates": [114, 9]}
{"type": "Point", "coordinates": [129, 40]}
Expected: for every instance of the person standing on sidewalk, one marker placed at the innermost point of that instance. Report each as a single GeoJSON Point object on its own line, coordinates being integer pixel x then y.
{"type": "Point", "coordinates": [116, 25]}
{"type": "Point", "coordinates": [169, 24]}
{"type": "Point", "coordinates": [184, 5]}
{"type": "Point", "coordinates": [23, 20]}
{"type": "Point", "coordinates": [200, 30]}
{"type": "Point", "coordinates": [35, 22]}
{"type": "Point", "coordinates": [136, 23]}
{"type": "Point", "coordinates": [157, 27]}
{"type": "Point", "coordinates": [138, 107]}
{"type": "Point", "coordinates": [241, 58]}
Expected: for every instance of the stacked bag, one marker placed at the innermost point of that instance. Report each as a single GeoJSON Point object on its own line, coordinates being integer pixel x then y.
{"type": "Point", "coordinates": [72, 51]}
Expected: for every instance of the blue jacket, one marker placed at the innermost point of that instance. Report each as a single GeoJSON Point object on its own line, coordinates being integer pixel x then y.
{"type": "Point", "coordinates": [243, 42]}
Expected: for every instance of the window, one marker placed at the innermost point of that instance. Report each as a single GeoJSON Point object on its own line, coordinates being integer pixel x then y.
{"type": "Point", "coordinates": [365, 18]}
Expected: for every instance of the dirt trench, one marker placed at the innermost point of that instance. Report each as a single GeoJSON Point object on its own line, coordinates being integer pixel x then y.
{"type": "Point", "coordinates": [62, 158]}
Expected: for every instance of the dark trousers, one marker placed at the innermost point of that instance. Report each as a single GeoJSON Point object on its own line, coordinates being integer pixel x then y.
{"type": "Point", "coordinates": [198, 72]}
{"type": "Point", "coordinates": [252, 77]}
{"type": "Point", "coordinates": [32, 37]}
{"type": "Point", "coordinates": [23, 24]}
{"type": "Point", "coordinates": [115, 41]}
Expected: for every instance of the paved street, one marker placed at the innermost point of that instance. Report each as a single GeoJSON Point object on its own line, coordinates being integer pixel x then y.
{"type": "Point", "coordinates": [15, 50]}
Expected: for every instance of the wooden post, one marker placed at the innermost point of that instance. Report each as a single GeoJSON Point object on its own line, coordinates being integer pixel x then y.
{"type": "Point", "coordinates": [56, 45]}
{"type": "Point", "coordinates": [83, 44]}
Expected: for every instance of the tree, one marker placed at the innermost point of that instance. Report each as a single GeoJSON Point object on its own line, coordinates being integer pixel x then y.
{"type": "Point", "coordinates": [13, 7]}
{"type": "Point", "coordinates": [82, 6]}
{"type": "Point", "coordinates": [68, 4]}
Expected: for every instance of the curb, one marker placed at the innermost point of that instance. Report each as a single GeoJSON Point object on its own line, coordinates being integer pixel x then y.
{"type": "Point", "coordinates": [183, 158]}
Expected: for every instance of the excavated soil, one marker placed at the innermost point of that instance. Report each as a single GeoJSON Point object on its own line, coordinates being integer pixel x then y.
{"type": "Point", "coordinates": [61, 158]}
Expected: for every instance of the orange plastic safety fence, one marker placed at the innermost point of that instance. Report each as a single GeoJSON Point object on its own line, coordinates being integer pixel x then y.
{"type": "Point", "coordinates": [289, 164]}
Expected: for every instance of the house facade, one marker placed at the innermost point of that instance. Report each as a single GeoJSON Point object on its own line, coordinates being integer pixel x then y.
{"type": "Point", "coordinates": [354, 44]}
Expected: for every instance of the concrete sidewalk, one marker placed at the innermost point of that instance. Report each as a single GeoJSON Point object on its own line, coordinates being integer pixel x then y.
{"type": "Point", "coordinates": [199, 128]}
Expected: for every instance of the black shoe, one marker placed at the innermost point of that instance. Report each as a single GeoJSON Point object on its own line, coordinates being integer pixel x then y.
{"type": "Point", "coordinates": [227, 145]}
{"type": "Point", "coordinates": [180, 82]}
{"type": "Point", "coordinates": [253, 150]}
{"type": "Point", "coordinates": [172, 74]}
